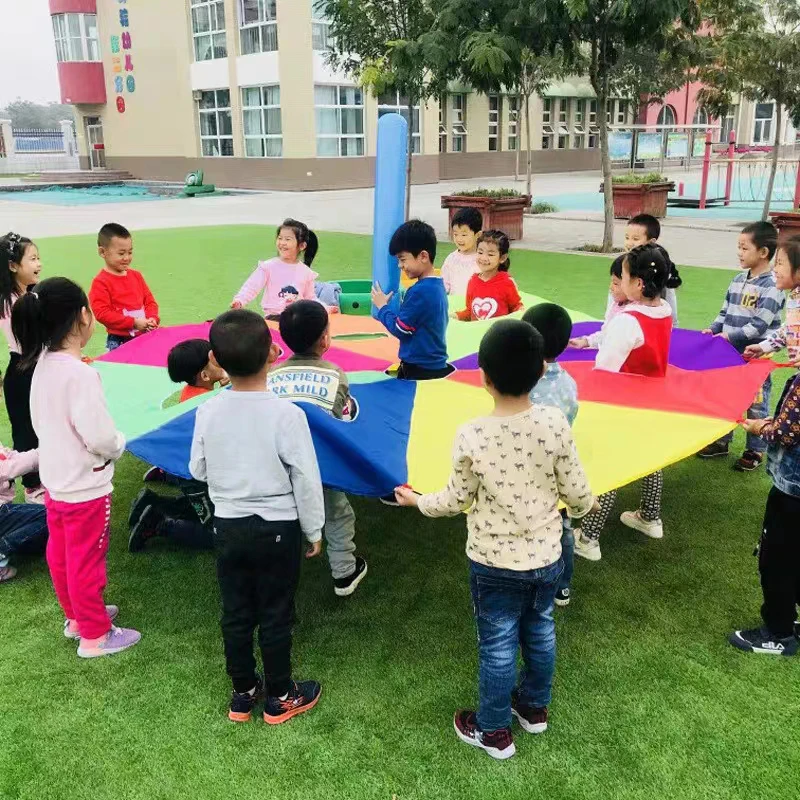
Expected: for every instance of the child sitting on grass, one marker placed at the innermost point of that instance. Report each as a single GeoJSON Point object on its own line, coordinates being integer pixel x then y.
{"type": "Point", "coordinates": [421, 322]}
{"type": "Point", "coordinates": [510, 470]}
{"type": "Point", "coordinates": [307, 377]}
{"type": "Point", "coordinates": [121, 299]}
{"type": "Point", "coordinates": [751, 311]}
{"type": "Point", "coordinates": [619, 301]}
{"type": "Point", "coordinates": [254, 451]}
{"type": "Point", "coordinates": [491, 292]}
{"type": "Point", "coordinates": [557, 388]}
{"type": "Point", "coordinates": [462, 264]}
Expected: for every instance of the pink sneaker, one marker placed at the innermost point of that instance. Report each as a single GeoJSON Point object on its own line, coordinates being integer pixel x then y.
{"type": "Point", "coordinates": [115, 641]}
{"type": "Point", "coordinates": [71, 630]}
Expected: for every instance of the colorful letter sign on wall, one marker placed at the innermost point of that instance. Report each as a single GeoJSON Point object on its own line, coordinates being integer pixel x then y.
{"type": "Point", "coordinates": [122, 57]}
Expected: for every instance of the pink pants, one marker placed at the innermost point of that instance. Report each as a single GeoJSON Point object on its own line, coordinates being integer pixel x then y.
{"type": "Point", "coordinates": [76, 556]}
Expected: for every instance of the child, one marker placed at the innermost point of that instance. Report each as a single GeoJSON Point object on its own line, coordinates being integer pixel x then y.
{"type": "Point", "coordinates": [779, 549]}
{"type": "Point", "coordinates": [556, 388]}
{"type": "Point", "coordinates": [636, 342]}
{"type": "Point", "coordinates": [510, 470]}
{"type": "Point", "coordinates": [189, 363]}
{"type": "Point", "coordinates": [491, 292]}
{"type": "Point", "coordinates": [255, 453]}
{"type": "Point", "coordinates": [121, 299]}
{"type": "Point", "coordinates": [20, 267]}
{"type": "Point", "coordinates": [751, 311]}
{"type": "Point", "coordinates": [619, 301]}
{"type": "Point", "coordinates": [462, 264]}
{"type": "Point", "coordinates": [646, 229]}
{"type": "Point", "coordinates": [307, 377]}
{"type": "Point", "coordinates": [421, 322]}
{"type": "Point", "coordinates": [283, 279]}
{"type": "Point", "coordinates": [78, 445]}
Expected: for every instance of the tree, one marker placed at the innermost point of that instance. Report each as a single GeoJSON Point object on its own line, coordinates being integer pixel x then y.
{"type": "Point", "coordinates": [383, 45]}
{"type": "Point", "coordinates": [25, 114]}
{"type": "Point", "coordinates": [610, 29]}
{"type": "Point", "coordinates": [755, 53]}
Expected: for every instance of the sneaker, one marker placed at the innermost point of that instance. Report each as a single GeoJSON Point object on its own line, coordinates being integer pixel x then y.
{"type": "Point", "coordinates": [145, 528]}
{"type": "Point", "coordinates": [498, 744]}
{"type": "Point", "coordinates": [7, 573]}
{"type": "Point", "coordinates": [532, 720]}
{"type": "Point", "coordinates": [71, 630]}
{"type": "Point", "coordinates": [587, 548]}
{"type": "Point", "coordinates": [760, 640]}
{"type": "Point", "coordinates": [749, 462]}
{"type": "Point", "coordinates": [115, 641]}
{"type": "Point", "coordinates": [715, 450]}
{"type": "Point", "coordinates": [634, 519]}
{"type": "Point", "coordinates": [241, 708]}
{"type": "Point", "coordinates": [35, 496]}
{"type": "Point", "coordinates": [143, 499]}
{"type": "Point", "coordinates": [343, 587]}
{"type": "Point", "coordinates": [562, 597]}
{"type": "Point", "coordinates": [390, 500]}
{"type": "Point", "coordinates": [302, 697]}
{"type": "Point", "coordinates": [155, 475]}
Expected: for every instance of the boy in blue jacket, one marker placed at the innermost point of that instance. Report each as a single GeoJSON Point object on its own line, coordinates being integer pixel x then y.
{"type": "Point", "coordinates": [421, 322]}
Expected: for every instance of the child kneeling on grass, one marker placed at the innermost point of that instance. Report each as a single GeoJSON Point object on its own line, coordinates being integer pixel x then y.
{"type": "Point", "coordinates": [254, 451]}
{"type": "Point", "coordinates": [510, 470]}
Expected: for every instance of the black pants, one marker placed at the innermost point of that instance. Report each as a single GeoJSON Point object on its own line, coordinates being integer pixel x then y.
{"type": "Point", "coordinates": [187, 519]}
{"type": "Point", "coordinates": [258, 567]}
{"type": "Point", "coordinates": [779, 563]}
{"type": "Point", "coordinates": [17, 391]}
{"type": "Point", "coordinates": [411, 372]}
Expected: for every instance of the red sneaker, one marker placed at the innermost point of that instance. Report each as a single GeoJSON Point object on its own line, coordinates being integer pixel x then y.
{"type": "Point", "coordinates": [498, 744]}
{"type": "Point", "coordinates": [532, 720]}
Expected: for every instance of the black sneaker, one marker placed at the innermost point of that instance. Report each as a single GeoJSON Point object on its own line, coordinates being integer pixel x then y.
{"type": "Point", "coordinates": [761, 641]}
{"type": "Point", "coordinates": [343, 587]}
{"type": "Point", "coordinates": [498, 744]}
{"type": "Point", "coordinates": [145, 528]}
{"type": "Point", "coordinates": [241, 708]}
{"type": "Point", "coordinates": [302, 697]}
{"type": "Point", "coordinates": [144, 499]}
{"type": "Point", "coordinates": [562, 597]}
{"type": "Point", "coordinates": [715, 450]}
{"type": "Point", "coordinates": [155, 475]}
{"type": "Point", "coordinates": [749, 462]}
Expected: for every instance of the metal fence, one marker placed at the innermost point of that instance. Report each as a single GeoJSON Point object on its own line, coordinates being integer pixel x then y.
{"type": "Point", "coordinates": [38, 140]}
{"type": "Point", "coordinates": [31, 150]}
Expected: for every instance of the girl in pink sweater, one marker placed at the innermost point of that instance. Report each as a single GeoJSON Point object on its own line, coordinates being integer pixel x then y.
{"type": "Point", "coordinates": [283, 279]}
{"type": "Point", "coordinates": [78, 445]}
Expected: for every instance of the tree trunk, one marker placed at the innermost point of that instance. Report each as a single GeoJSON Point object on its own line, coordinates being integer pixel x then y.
{"type": "Point", "coordinates": [773, 167]}
{"type": "Point", "coordinates": [608, 189]}
{"type": "Point", "coordinates": [409, 157]}
{"type": "Point", "coordinates": [519, 142]}
{"type": "Point", "coordinates": [528, 190]}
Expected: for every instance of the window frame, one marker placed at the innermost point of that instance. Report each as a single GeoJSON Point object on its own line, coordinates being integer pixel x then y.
{"type": "Point", "coordinates": [320, 27]}
{"type": "Point", "coordinates": [513, 121]}
{"type": "Point", "coordinates": [400, 108]}
{"type": "Point", "coordinates": [762, 123]}
{"type": "Point", "coordinates": [65, 39]}
{"type": "Point", "coordinates": [262, 108]}
{"type": "Point", "coordinates": [215, 111]}
{"type": "Point", "coordinates": [214, 8]}
{"type": "Point", "coordinates": [340, 137]}
{"type": "Point", "coordinates": [495, 115]}
{"type": "Point", "coordinates": [266, 26]}
{"type": "Point", "coordinates": [458, 130]}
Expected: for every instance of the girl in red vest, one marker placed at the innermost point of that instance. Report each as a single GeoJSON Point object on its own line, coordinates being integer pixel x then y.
{"type": "Point", "coordinates": [636, 342]}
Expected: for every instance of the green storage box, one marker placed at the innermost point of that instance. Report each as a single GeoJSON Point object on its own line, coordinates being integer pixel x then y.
{"type": "Point", "coordinates": [356, 297]}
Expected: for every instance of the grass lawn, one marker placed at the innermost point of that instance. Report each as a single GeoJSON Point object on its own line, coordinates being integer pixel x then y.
{"type": "Point", "coordinates": [650, 701]}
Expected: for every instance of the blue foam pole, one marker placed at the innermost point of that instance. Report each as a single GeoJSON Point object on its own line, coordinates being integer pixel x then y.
{"type": "Point", "coordinates": [390, 194]}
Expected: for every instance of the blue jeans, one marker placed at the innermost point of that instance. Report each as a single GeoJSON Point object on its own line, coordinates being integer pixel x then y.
{"type": "Point", "coordinates": [113, 341]}
{"type": "Point", "coordinates": [23, 528]}
{"type": "Point", "coordinates": [513, 611]}
{"type": "Point", "coordinates": [759, 410]}
{"type": "Point", "coordinates": [567, 553]}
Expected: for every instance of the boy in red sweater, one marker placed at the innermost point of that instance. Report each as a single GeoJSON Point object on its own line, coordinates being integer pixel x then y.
{"type": "Point", "coordinates": [120, 298]}
{"type": "Point", "coordinates": [491, 292]}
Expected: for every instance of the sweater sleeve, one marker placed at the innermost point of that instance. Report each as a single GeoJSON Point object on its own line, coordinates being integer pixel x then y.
{"type": "Point", "coordinates": [405, 322]}
{"type": "Point", "coordinates": [573, 487]}
{"type": "Point", "coordinates": [446, 273]}
{"type": "Point", "coordinates": [718, 323]}
{"type": "Point", "coordinates": [775, 341]}
{"type": "Point", "coordinates": [14, 464]}
{"type": "Point", "coordinates": [768, 308]}
{"type": "Point", "coordinates": [92, 421]}
{"type": "Point", "coordinates": [623, 335]}
{"type": "Point", "coordinates": [150, 304]}
{"type": "Point", "coordinates": [461, 489]}
{"type": "Point", "coordinates": [784, 430]}
{"type": "Point", "coordinates": [253, 285]}
{"type": "Point", "coordinates": [103, 307]}
{"type": "Point", "coordinates": [197, 457]}
{"type": "Point", "coordinates": [307, 291]}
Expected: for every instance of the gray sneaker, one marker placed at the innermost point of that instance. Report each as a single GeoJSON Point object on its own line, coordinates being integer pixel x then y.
{"type": "Point", "coordinates": [115, 641]}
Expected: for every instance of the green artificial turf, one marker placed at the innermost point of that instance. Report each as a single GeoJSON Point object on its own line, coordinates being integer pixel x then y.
{"type": "Point", "coordinates": [650, 701]}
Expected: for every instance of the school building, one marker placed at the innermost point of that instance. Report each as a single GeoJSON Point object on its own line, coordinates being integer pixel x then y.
{"type": "Point", "coordinates": [241, 89]}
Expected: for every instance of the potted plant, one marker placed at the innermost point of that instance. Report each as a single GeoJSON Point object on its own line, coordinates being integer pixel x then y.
{"type": "Point", "coordinates": [501, 209]}
{"type": "Point", "coordinates": [640, 194]}
{"type": "Point", "coordinates": [787, 223]}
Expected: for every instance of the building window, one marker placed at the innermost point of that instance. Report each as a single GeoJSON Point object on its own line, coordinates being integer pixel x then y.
{"type": "Point", "coordinates": [216, 128]}
{"type": "Point", "coordinates": [762, 131]}
{"type": "Point", "coordinates": [76, 37]}
{"type": "Point", "coordinates": [666, 116]}
{"type": "Point", "coordinates": [728, 124]}
{"type": "Point", "coordinates": [458, 105]}
{"type": "Point", "coordinates": [261, 118]}
{"type": "Point", "coordinates": [320, 40]}
{"type": "Point", "coordinates": [563, 110]}
{"type": "Point", "coordinates": [395, 103]}
{"type": "Point", "coordinates": [548, 132]}
{"type": "Point", "coordinates": [594, 131]}
{"type": "Point", "coordinates": [561, 127]}
{"type": "Point", "coordinates": [443, 124]}
{"type": "Point", "coordinates": [622, 112]}
{"type": "Point", "coordinates": [258, 26]}
{"type": "Point", "coordinates": [700, 117]}
{"type": "Point", "coordinates": [208, 29]}
{"type": "Point", "coordinates": [339, 112]}
{"type": "Point", "coordinates": [513, 122]}
{"type": "Point", "coordinates": [579, 125]}
{"type": "Point", "coordinates": [494, 122]}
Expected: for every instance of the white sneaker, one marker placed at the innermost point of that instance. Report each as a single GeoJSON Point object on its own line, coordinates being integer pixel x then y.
{"type": "Point", "coordinates": [587, 548]}
{"type": "Point", "coordinates": [35, 496]}
{"type": "Point", "coordinates": [633, 519]}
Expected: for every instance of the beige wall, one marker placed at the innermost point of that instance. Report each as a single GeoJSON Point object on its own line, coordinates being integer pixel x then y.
{"type": "Point", "coordinates": [477, 123]}
{"type": "Point", "coordinates": [297, 79]}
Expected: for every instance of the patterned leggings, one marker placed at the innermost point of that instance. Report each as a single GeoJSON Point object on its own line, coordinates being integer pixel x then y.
{"type": "Point", "coordinates": [650, 509]}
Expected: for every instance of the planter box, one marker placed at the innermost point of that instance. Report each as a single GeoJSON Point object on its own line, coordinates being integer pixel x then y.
{"type": "Point", "coordinates": [631, 199]}
{"type": "Point", "coordinates": [787, 223]}
{"type": "Point", "coordinates": [504, 214]}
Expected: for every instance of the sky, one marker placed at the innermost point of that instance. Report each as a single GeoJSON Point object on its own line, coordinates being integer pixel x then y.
{"type": "Point", "coordinates": [27, 54]}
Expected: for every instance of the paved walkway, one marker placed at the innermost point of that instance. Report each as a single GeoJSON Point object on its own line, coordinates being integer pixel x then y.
{"type": "Point", "coordinates": [709, 243]}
